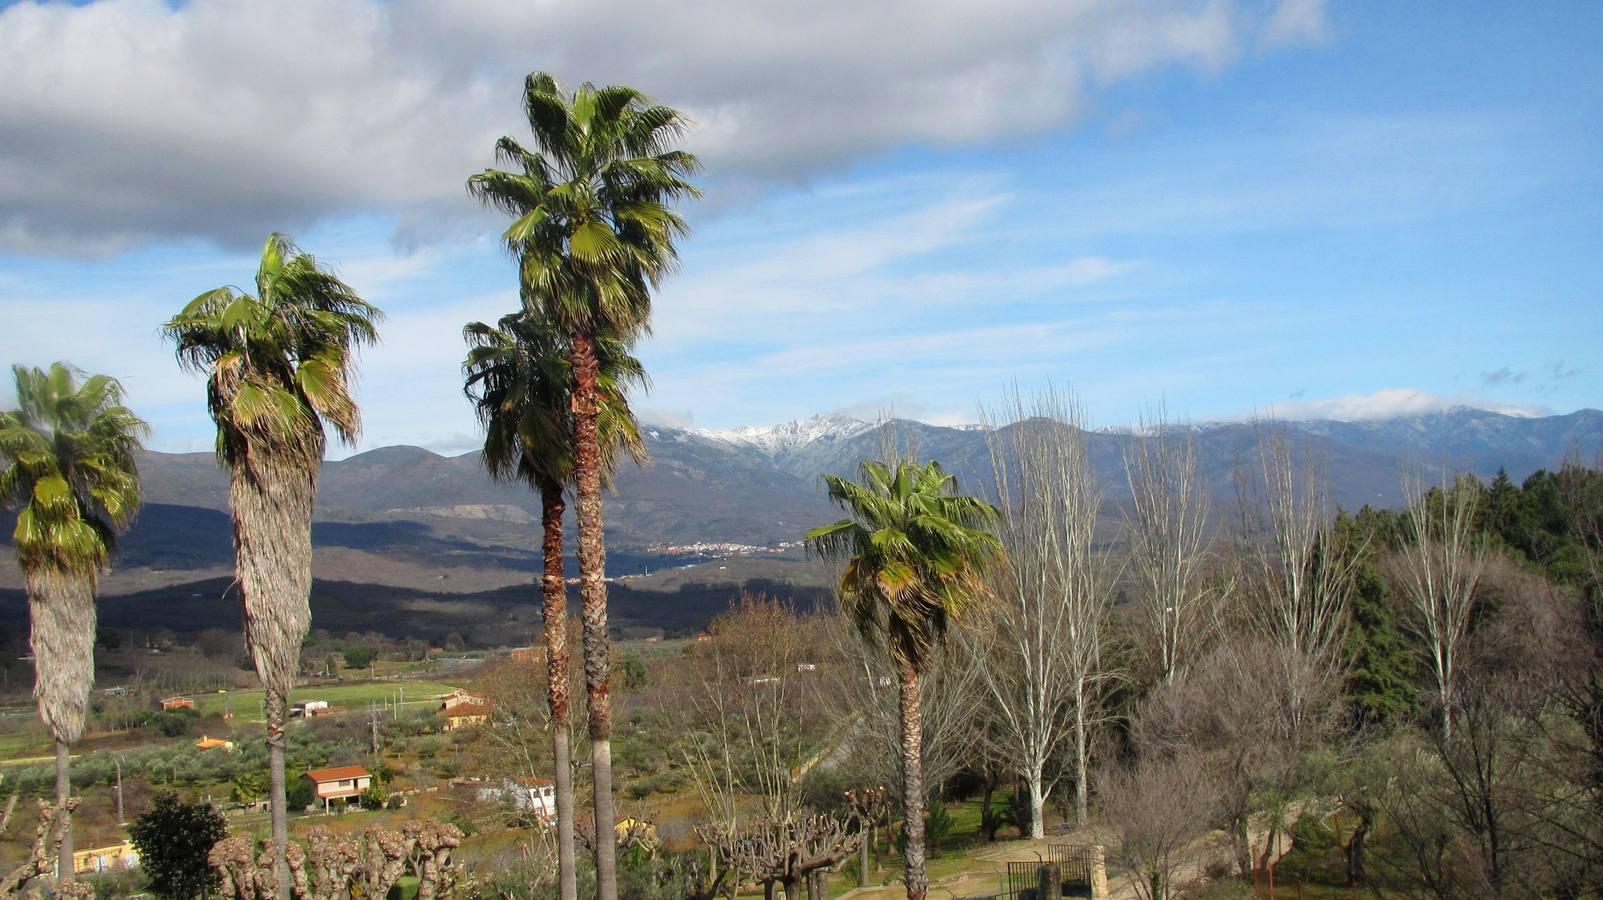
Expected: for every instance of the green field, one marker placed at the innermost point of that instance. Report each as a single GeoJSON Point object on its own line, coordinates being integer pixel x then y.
{"type": "Point", "coordinates": [345, 698]}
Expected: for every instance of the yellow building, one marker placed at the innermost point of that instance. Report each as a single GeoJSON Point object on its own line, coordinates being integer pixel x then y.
{"type": "Point", "coordinates": [104, 859]}
{"type": "Point", "coordinates": [211, 743]}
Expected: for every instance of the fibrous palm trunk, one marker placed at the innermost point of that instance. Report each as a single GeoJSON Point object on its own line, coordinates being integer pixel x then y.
{"type": "Point", "coordinates": [912, 784]}
{"type": "Point", "coordinates": [555, 610]}
{"type": "Point", "coordinates": [272, 503]}
{"type": "Point", "coordinates": [593, 592]}
{"type": "Point", "coordinates": [61, 608]}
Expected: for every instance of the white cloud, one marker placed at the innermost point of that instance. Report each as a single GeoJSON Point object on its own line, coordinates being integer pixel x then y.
{"type": "Point", "coordinates": [1388, 403]}
{"type": "Point", "coordinates": [128, 120]}
{"type": "Point", "coordinates": [1298, 22]}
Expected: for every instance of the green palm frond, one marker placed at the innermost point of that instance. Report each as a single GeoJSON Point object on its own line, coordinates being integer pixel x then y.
{"type": "Point", "coordinates": [517, 374]}
{"type": "Point", "coordinates": [280, 362]}
{"type": "Point", "coordinates": [915, 550]}
{"type": "Point", "coordinates": [69, 469]}
{"type": "Point", "coordinates": [592, 202]}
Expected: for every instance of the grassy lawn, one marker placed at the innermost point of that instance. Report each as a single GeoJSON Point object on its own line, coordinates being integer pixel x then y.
{"type": "Point", "coordinates": [348, 698]}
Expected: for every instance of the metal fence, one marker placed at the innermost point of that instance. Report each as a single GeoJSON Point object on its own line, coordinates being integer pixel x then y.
{"type": "Point", "coordinates": [1069, 874]}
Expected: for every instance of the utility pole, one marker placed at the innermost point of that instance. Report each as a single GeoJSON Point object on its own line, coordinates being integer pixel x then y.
{"type": "Point", "coordinates": [372, 709]}
{"type": "Point", "coordinates": [117, 759]}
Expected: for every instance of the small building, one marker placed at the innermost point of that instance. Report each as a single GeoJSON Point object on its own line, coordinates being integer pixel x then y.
{"type": "Point", "coordinates": [310, 709]}
{"type": "Point", "coordinates": [527, 654]}
{"type": "Point", "coordinates": [466, 714]}
{"type": "Point", "coordinates": [461, 697]}
{"type": "Point", "coordinates": [344, 783]}
{"type": "Point", "coordinates": [177, 703]}
{"type": "Point", "coordinates": [211, 743]}
{"type": "Point", "coordinates": [525, 795]}
{"type": "Point", "coordinates": [105, 859]}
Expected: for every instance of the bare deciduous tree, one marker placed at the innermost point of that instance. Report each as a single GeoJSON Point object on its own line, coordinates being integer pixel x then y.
{"type": "Point", "coordinates": [1157, 807]}
{"type": "Point", "coordinates": [746, 703]}
{"type": "Point", "coordinates": [1438, 572]}
{"type": "Point", "coordinates": [1248, 712]}
{"type": "Point", "coordinates": [861, 698]}
{"type": "Point", "coordinates": [1299, 581]}
{"type": "Point", "coordinates": [1167, 531]}
{"type": "Point", "coordinates": [1039, 652]}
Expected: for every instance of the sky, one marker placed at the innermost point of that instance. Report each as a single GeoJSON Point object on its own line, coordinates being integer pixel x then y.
{"type": "Point", "coordinates": [1340, 210]}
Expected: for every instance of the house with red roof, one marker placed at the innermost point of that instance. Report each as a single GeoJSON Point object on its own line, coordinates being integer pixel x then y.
{"type": "Point", "coordinates": [344, 783]}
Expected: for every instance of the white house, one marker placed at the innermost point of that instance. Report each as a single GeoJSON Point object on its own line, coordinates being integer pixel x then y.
{"type": "Point", "coordinates": [531, 795]}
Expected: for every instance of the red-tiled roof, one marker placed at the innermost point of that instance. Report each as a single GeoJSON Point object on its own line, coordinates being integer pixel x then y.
{"type": "Point", "coordinates": [338, 773]}
{"type": "Point", "coordinates": [464, 710]}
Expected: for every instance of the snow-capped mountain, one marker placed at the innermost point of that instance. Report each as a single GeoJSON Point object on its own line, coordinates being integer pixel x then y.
{"type": "Point", "coordinates": [777, 440]}
{"type": "Point", "coordinates": [439, 521]}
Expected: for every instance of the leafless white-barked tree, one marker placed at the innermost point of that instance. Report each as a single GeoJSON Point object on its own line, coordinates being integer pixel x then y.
{"type": "Point", "coordinates": [1167, 532]}
{"type": "Point", "coordinates": [1439, 570]}
{"type": "Point", "coordinates": [1298, 581]}
{"type": "Point", "coordinates": [1039, 653]}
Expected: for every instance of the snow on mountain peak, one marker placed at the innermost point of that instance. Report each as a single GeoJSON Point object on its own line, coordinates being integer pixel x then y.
{"type": "Point", "coordinates": [788, 436]}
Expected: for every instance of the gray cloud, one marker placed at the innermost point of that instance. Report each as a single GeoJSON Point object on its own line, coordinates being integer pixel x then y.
{"type": "Point", "coordinates": [126, 121]}
{"type": "Point", "coordinates": [1502, 376]}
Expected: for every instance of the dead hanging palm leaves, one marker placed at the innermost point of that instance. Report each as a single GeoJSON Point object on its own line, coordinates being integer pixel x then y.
{"type": "Point", "coordinates": [68, 457]}
{"type": "Point", "coordinates": [279, 365]}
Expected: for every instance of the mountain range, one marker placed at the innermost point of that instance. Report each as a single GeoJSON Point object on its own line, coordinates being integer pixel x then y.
{"type": "Point", "coordinates": [405, 522]}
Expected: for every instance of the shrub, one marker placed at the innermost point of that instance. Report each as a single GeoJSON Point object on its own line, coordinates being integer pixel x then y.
{"type": "Point", "coordinates": [938, 825]}
{"type": "Point", "coordinates": [359, 656]}
{"type": "Point", "coordinates": [299, 793]}
{"type": "Point", "coordinates": [374, 797]}
{"type": "Point", "coordinates": [173, 839]}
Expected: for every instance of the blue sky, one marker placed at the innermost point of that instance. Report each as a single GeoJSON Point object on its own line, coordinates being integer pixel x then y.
{"type": "Point", "coordinates": [1353, 210]}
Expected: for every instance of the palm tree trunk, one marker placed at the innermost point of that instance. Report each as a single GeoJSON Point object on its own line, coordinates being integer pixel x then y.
{"type": "Point", "coordinates": [276, 704]}
{"type": "Point", "coordinates": [64, 867]}
{"type": "Point", "coordinates": [554, 595]}
{"type": "Point", "coordinates": [272, 493]}
{"type": "Point", "coordinates": [61, 610]}
{"type": "Point", "coordinates": [593, 591]}
{"type": "Point", "coordinates": [912, 784]}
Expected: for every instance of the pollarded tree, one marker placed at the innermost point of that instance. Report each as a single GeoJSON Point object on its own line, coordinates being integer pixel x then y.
{"type": "Point", "coordinates": [594, 233]}
{"type": "Point", "coordinates": [278, 365]}
{"type": "Point", "coordinates": [519, 377]}
{"type": "Point", "coordinates": [68, 451]}
{"type": "Point", "coordinates": [915, 553]}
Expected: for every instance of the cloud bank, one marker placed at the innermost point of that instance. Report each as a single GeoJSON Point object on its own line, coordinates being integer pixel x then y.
{"type": "Point", "coordinates": [127, 121]}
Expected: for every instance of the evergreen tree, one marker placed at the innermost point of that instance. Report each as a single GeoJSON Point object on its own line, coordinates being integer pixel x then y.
{"type": "Point", "coordinates": [173, 839]}
{"type": "Point", "coordinates": [1382, 670]}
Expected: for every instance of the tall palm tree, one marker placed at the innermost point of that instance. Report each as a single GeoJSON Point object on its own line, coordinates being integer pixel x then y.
{"type": "Point", "coordinates": [915, 551]}
{"type": "Point", "coordinates": [68, 452]}
{"type": "Point", "coordinates": [518, 375]}
{"type": "Point", "coordinates": [594, 234]}
{"type": "Point", "coordinates": [278, 365]}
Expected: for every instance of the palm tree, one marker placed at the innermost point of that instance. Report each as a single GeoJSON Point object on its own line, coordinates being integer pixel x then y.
{"type": "Point", "coordinates": [915, 550]}
{"type": "Point", "coordinates": [278, 365]}
{"type": "Point", "coordinates": [520, 381]}
{"type": "Point", "coordinates": [68, 451]}
{"type": "Point", "coordinates": [594, 233]}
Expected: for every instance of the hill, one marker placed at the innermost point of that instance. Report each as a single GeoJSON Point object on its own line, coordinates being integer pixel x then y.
{"type": "Point", "coordinates": [410, 539]}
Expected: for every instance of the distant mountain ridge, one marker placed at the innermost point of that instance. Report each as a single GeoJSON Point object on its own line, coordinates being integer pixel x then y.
{"type": "Point", "coordinates": [407, 519]}
{"type": "Point", "coordinates": [760, 485]}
